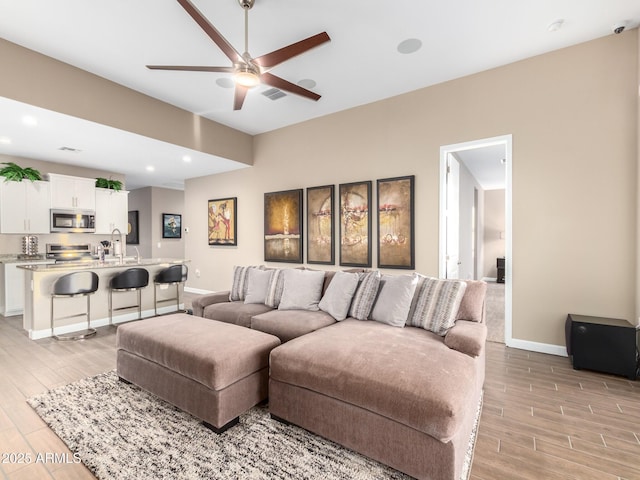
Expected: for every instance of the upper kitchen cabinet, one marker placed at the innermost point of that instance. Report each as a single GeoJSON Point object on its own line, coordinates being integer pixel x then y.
{"type": "Point", "coordinates": [111, 210]}
{"type": "Point", "coordinates": [72, 192]}
{"type": "Point", "coordinates": [24, 207]}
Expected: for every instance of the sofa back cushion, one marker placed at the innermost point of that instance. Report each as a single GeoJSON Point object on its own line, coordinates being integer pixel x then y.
{"type": "Point", "coordinates": [394, 299]}
{"type": "Point", "coordinates": [365, 295]}
{"type": "Point", "coordinates": [472, 305]}
{"type": "Point", "coordinates": [338, 295]}
{"type": "Point", "coordinates": [435, 304]}
{"type": "Point", "coordinates": [257, 285]}
{"type": "Point", "coordinates": [302, 289]}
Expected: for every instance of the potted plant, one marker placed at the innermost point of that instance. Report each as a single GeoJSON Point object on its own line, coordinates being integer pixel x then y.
{"type": "Point", "coordinates": [15, 173]}
{"type": "Point", "coordinates": [109, 183]}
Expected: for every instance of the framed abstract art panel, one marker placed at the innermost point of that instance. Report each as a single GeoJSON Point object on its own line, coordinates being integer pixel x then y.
{"type": "Point", "coordinates": [283, 226]}
{"type": "Point", "coordinates": [396, 245]}
{"type": "Point", "coordinates": [320, 235]}
{"type": "Point", "coordinates": [355, 224]}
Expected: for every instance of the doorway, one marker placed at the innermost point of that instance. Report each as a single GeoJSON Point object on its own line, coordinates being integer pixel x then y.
{"type": "Point", "coordinates": [488, 163]}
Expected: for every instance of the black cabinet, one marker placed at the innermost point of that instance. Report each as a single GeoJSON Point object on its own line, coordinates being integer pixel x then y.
{"type": "Point", "coordinates": [500, 267]}
{"type": "Point", "coordinates": [607, 345]}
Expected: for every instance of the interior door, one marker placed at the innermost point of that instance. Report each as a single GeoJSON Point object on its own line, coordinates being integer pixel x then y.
{"type": "Point", "coordinates": [453, 218]}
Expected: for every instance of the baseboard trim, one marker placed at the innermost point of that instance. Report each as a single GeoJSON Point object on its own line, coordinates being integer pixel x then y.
{"type": "Point", "coordinates": [558, 350]}
{"type": "Point", "coordinates": [198, 290]}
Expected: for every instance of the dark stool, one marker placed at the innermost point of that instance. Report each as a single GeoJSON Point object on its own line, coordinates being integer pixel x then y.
{"type": "Point", "coordinates": [77, 284]}
{"type": "Point", "coordinates": [173, 275]}
{"type": "Point", "coordinates": [133, 279]}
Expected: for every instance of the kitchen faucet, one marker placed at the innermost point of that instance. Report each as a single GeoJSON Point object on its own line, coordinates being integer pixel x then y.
{"type": "Point", "coordinates": [113, 245]}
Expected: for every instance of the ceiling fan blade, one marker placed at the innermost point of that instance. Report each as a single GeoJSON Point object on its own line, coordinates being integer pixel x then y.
{"type": "Point", "coordinates": [287, 86]}
{"type": "Point", "coordinates": [239, 96]}
{"type": "Point", "coordinates": [210, 30]}
{"type": "Point", "coordinates": [278, 56]}
{"type": "Point", "coordinates": [191, 68]}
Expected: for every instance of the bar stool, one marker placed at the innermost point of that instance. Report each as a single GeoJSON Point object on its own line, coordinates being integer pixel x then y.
{"type": "Point", "coordinates": [76, 284]}
{"type": "Point", "coordinates": [173, 275]}
{"type": "Point", "coordinates": [131, 280]}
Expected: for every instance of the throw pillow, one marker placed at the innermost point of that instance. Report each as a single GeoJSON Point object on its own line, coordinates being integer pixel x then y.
{"type": "Point", "coordinates": [436, 304]}
{"type": "Point", "coordinates": [257, 285]}
{"type": "Point", "coordinates": [472, 305]}
{"type": "Point", "coordinates": [302, 289]}
{"type": "Point", "coordinates": [337, 298]}
{"type": "Point", "coordinates": [239, 284]}
{"type": "Point", "coordinates": [274, 289]}
{"type": "Point", "coordinates": [394, 299]}
{"type": "Point", "coordinates": [365, 295]}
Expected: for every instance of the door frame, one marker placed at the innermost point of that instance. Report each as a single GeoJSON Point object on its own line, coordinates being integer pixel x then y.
{"type": "Point", "coordinates": [445, 150]}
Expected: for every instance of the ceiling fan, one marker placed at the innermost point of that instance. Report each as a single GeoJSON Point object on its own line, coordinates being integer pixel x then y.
{"type": "Point", "coordinates": [249, 72]}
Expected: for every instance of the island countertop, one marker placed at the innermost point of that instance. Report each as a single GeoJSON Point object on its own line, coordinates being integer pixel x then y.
{"type": "Point", "coordinates": [95, 265]}
{"type": "Point", "coordinates": [40, 278]}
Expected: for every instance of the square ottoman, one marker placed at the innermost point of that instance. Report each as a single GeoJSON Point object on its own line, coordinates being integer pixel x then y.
{"type": "Point", "coordinates": [213, 370]}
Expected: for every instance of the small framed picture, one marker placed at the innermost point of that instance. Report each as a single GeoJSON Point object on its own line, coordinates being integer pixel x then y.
{"type": "Point", "coordinates": [171, 225]}
{"type": "Point", "coordinates": [223, 229]}
{"type": "Point", "coordinates": [132, 228]}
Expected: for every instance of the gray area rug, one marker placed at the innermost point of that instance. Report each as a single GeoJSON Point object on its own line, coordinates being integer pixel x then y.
{"type": "Point", "coordinates": [122, 432]}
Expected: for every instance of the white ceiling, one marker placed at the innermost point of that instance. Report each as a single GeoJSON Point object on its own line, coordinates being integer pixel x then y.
{"type": "Point", "coordinates": [117, 38]}
{"type": "Point", "coordinates": [486, 164]}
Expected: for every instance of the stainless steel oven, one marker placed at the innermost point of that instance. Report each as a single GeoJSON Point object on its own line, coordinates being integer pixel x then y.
{"type": "Point", "coordinates": [73, 221]}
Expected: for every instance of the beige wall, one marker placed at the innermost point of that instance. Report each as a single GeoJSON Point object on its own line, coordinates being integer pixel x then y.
{"type": "Point", "coordinates": [573, 116]}
{"type": "Point", "coordinates": [494, 224]}
{"type": "Point", "coordinates": [33, 78]}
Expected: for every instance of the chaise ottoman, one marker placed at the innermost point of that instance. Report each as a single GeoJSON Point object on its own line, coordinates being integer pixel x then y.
{"type": "Point", "coordinates": [211, 369]}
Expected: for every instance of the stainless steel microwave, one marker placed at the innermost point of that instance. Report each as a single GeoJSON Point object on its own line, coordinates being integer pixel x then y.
{"type": "Point", "coordinates": [73, 221]}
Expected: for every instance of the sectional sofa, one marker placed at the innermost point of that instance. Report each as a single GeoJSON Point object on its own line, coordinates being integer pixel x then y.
{"type": "Point", "coordinates": [391, 366]}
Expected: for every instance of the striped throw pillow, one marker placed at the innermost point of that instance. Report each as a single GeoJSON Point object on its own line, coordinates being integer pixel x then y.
{"type": "Point", "coordinates": [365, 295]}
{"type": "Point", "coordinates": [436, 303]}
{"type": "Point", "coordinates": [275, 289]}
{"type": "Point", "coordinates": [240, 283]}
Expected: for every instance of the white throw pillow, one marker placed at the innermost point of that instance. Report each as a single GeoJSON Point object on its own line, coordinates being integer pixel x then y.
{"type": "Point", "coordinates": [258, 285]}
{"type": "Point", "coordinates": [394, 299]}
{"type": "Point", "coordinates": [337, 299]}
{"type": "Point", "coordinates": [302, 290]}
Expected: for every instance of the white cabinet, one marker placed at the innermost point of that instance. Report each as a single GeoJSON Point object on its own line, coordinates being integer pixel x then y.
{"type": "Point", "coordinates": [24, 207]}
{"type": "Point", "coordinates": [12, 285]}
{"type": "Point", "coordinates": [111, 210]}
{"type": "Point", "coordinates": [72, 192]}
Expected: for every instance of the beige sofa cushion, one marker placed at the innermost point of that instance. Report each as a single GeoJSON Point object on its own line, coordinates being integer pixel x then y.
{"type": "Point", "coordinates": [290, 324]}
{"type": "Point", "coordinates": [472, 305]}
{"type": "Point", "coordinates": [405, 374]}
{"type": "Point", "coordinates": [238, 312]}
{"type": "Point", "coordinates": [394, 299]}
{"type": "Point", "coordinates": [436, 303]}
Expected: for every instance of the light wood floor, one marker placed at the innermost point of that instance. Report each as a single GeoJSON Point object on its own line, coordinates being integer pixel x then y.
{"type": "Point", "coordinates": [541, 419]}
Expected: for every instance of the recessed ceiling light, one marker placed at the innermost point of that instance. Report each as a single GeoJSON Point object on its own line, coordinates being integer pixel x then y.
{"type": "Point", "coordinates": [225, 82]}
{"type": "Point", "coordinates": [30, 121]}
{"type": "Point", "coordinates": [5, 140]}
{"type": "Point", "coordinates": [150, 168]}
{"type": "Point", "coordinates": [556, 25]}
{"type": "Point", "coordinates": [410, 45]}
{"type": "Point", "coordinates": [186, 159]}
{"type": "Point", "coordinates": [307, 83]}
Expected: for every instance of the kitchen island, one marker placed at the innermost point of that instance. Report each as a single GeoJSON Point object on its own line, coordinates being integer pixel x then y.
{"type": "Point", "coordinates": [39, 279]}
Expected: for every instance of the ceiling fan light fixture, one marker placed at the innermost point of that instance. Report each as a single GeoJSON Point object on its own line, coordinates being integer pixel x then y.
{"type": "Point", "coordinates": [247, 76]}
